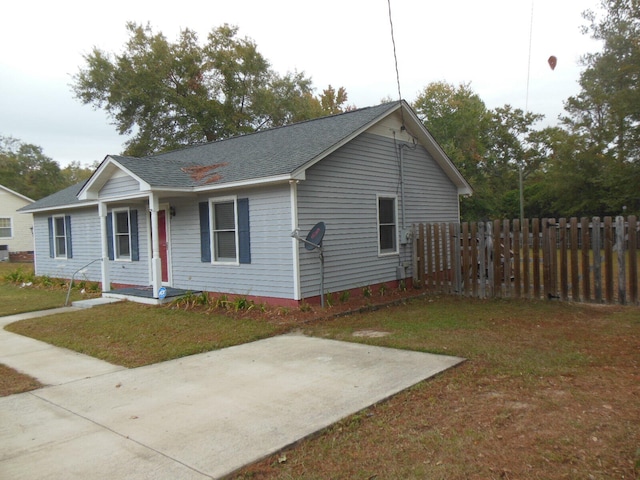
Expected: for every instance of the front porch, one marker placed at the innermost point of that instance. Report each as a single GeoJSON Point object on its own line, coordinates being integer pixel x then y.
{"type": "Point", "coordinates": [145, 294]}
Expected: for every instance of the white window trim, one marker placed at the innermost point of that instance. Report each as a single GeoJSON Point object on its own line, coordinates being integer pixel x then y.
{"type": "Point", "coordinates": [55, 237]}
{"type": "Point", "coordinates": [212, 240]}
{"type": "Point", "coordinates": [395, 218]}
{"type": "Point", "coordinates": [10, 228]}
{"type": "Point", "coordinates": [114, 223]}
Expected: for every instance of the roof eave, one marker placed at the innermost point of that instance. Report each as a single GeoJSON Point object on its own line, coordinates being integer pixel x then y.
{"type": "Point", "coordinates": [254, 182]}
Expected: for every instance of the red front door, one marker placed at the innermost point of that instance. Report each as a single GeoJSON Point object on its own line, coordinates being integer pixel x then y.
{"type": "Point", "coordinates": [164, 246]}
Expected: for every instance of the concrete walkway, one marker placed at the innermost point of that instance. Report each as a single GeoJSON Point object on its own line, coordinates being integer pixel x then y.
{"type": "Point", "coordinates": [197, 417]}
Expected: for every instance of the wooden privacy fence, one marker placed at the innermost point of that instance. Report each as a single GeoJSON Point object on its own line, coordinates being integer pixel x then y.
{"type": "Point", "coordinates": [587, 260]}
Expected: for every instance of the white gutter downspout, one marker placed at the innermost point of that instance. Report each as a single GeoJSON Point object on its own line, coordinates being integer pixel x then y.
{"type": "Point", "coordinates": [156, 262]}
{"type": "Point", "coordinates": [106, 279]}
{"type": "Point", "coordinates": [293, 189]}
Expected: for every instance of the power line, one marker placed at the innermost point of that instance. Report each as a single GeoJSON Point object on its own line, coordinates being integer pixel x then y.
{"type": "Point", "coordinates": [395, 56]}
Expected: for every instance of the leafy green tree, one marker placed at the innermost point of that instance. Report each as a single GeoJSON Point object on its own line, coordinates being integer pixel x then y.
{"type": "Point", "coordinates": [458, 119]}
{"type": "Point", "coordinates": [168, 95]}
{"type": "Point", "coordinates": [487, 146]}
{"type": "Point", "coordinates": [606, 112]}
{"type": "Point", "coordinates": [25, 169]}
{"type": "Point", "coordinates": [75, 172]}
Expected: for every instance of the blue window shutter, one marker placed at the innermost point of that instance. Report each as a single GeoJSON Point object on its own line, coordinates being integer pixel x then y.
{"type": "Point", "coordinates": [243, 231]}
{"type": "Point", "coordinates": [133, 225]}
{"type": "Point", "coordinates": [205, 242]}
{"type": "Point", "coordinates": [52, 252]}
{"type": "Point", "coordinates": [67, 231]}
{"type": "Point", "coordinates": [110, 235]}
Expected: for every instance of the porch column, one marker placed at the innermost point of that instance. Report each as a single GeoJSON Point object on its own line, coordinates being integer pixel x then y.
{"type": "Point", "coordinates": [106, 279]}
{"type": "Point", "coordinates": [156, 262]}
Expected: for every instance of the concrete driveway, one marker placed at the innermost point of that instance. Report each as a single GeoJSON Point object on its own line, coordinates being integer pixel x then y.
{"type": "Point", "coordinates": [197, 417]}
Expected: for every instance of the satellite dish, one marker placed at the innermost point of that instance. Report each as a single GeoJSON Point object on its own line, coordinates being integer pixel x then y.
{"type": "Point", "coordinates": [315, 235]}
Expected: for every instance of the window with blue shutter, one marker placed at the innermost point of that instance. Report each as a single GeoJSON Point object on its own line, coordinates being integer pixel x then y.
{"type": "Point", "coordinates": [225, 231]}
{"type": "Point", "coordinates": [122, 235]}
{"type": "Point", "coordinates": [205, 241]}
{"type": "Point", "coordinates": [244, 238]}
{"type": "Point", "coordinates": [60, 245]}
{"type": "Point", "coordinates": [110, 236]}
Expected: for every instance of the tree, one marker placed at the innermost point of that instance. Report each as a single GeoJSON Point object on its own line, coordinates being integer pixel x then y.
{"type": "Point", "coordinates": [168, 95]}
{"type": "Point", "coordinates": [25, 169]}
{"type": "Point", "coordinates": [606, 112]}
{"type": "Point", "coordinates": [487, 146]}
{"type": "Point", "coordinates": [458, 120]}
{"type": "Point", "coordinates": [333, 102]}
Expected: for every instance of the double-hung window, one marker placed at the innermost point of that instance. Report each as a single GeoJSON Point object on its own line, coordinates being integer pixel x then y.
{"type": "Point", "coordinates": [122, 234]}
{"type": "Point", "coordinates": [225, 230]}
{"type": "Point", "coordinates": [60, 245]}
{"type": "Point", "coordinates": [60, 237]}
{"type": "Point", "coordinates": [5, 227]}
{"type": "Point", "coordinates": [387, 226]}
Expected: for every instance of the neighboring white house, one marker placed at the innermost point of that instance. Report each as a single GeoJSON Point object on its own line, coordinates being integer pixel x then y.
{"type": "Point", "coordinates": [16, 229]}
{"type": "Point", "coordinates": [219, 217]}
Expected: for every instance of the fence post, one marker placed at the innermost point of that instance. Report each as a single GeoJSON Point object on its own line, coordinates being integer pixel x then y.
{"type": "Point", "coordinates": [546, 260]}
{"type": "Point", "coordinates": [454, 253]}
{"type": "Point", "coordinates": [516, 257]}
{"type": "Point", "coordinates": [489, 242]}
{"type": "Point", "coordinates": [474, 259]}
{"type": "Point", "coordinates": [553, 257]}
{"type": "Point", "coordinates": [597, 258]}
{"type": "Point", "coordinates": [465, 259]}
{"type": "Point", "coordinates": [482, 259]}
{"type": "Point", "coordinates": [436, 247]}
{"type": "Point", "coordinates": [608, 259]}
{"type": "Point", "coordinates": [633, 259]}
{"type": "Point", "coordinates": [586, 264]}
{"type": "Point", "coordinates": [497, 282]}
{"type": "Point", "coordinates": [506, 257]}
{"type": "Point", "coordinates": [575, 278]}
{"type": "Point", "coordinates": [564, 277]}
{"type": "Point", "coordinates": [622, 277]}
{"type": "Point", "coordinates": [536, 258]}
{"type": "Point", "coordinates": [525, 258]}
{"type": "Point", "coordinates": [429, 258]}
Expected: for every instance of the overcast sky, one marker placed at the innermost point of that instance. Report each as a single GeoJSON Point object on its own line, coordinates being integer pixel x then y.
{"type": "Point", "coordinates": [338, 42]}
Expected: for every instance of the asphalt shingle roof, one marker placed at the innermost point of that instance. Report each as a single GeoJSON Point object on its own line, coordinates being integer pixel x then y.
{"type": "Point", "coordinates": [264, 154]}
{"type": "Point", "coordinates": [278, 151]}
{"type": "Point", "coordinates": [67, 196]}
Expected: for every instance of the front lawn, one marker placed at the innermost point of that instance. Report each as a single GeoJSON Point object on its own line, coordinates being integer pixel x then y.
{"type": "Point", "coordinates": [549, 390]}
{"type": "Point", "coordinates": [132, 334]}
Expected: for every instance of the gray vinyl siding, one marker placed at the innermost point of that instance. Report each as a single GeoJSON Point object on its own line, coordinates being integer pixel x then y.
{"type": "Point", "coordinates": [85, 238]}
{"type": "Point", "coordinates": [87, 246]}
{"type": "Point", "coordinates": [119, 186]}
{"type": "Point", "coordinates": [128, 272]}
{"type": "Point", "coordinates": [270, 273]}
{"type": "Point", "coordinates": [341, 191]}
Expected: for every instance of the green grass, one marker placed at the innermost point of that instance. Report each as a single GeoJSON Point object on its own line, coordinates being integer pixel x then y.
{"type": "Point", "coordinates": [44, 293]}
{"type": "Point", "coordinates": [473, 328]}
{"type": "Point", "coordinates": [132, 335]}
{"type": "Point", "coordinates": [542, 380]}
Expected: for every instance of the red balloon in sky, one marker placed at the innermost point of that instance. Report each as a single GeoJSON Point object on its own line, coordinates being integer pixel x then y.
{"type": "Point", "coordinates": [553, 61]}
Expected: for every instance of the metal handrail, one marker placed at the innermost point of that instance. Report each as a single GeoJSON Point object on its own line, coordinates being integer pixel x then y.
{"type": "Point", "coordinates": [66, 303]}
